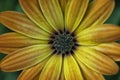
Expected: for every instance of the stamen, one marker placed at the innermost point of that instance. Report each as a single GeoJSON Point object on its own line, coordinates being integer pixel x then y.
{"type": "Point", "coordinates": [63, 42]}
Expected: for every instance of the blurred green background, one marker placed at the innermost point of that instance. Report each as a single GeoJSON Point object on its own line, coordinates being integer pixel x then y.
{"type": "Point", "coordinates": [13, 5]}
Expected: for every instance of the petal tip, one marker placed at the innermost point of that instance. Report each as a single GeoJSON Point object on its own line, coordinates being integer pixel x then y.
{"type": "Point", "coordinates": [115, 70]}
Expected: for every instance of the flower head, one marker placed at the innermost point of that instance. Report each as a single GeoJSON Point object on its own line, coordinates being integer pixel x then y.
{"type": "Point", "coordinates": [60, 40]}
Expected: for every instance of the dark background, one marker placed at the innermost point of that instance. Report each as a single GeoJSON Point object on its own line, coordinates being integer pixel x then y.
{"type": "Point", "coordinates": [13, 5]}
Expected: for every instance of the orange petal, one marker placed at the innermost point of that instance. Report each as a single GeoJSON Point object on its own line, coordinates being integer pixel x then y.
{"type": "Point", "coordinates": [25, 58]}
{"type": "Point", "coordinates": [96, 61]}
{"type": "Point", "coordinates": [21, 24]}
{"type": "Point", "coordinates": [52, 69]}
{"type": "Point", "coordinates": [63, 4]}
{"type": "Point", "coordinates": [114, 57]}
{"type": "Point", "coordinates": [8, 50]}
{"type": "Point", "coordinates": [97, 13]}
{"type": "Point", "coordinates": [31, 73]}
{"type": "Point", "coordinates": [37, 77]}
{"type": "Point", "coordinates": [52, 11]}
{"type": "Point", "coordinates": [32, 9]}
{"type": "Point", "coordinates": [74, 13]}
{"type": "Point", "coordinates": [62, 77]}
{"type": "Point", "coordinates": [110, 49]}
{"type": "Point", "coordinates": [100, 34]}
{"type": "Point", "coordinates": [15, 40]}
{"type": "Point", "coordinates": [71, 69]}
{"type": "Point", "coordinates": [90, 74]}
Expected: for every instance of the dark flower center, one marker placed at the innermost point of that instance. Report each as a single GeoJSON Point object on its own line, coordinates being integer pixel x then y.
{"type": "Point", "coordinates": [63, 42]}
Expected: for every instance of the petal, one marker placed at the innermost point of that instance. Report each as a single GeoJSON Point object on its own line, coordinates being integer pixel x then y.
{"type": "Point", "coordinates": [32, 9]}
{"type": "Point", "coordinates": [90, 74]}
{"type": "Point", "coordinates": [31, 73]}
{"type": "Point", "coordinates": [63, 4]}
{"type": "Point", "coordinates": [37, 77]}
{"type": "Point", "coordinates": [21, 24]}
{"type": "Point", "coordinates": [62, 77]}
{"type": "Point", "coordinates": [71, 69]}
{"type": "Point", "coordinates": [97, 13]}
{"type": "Point", "coordinates": [110, 49]}
{"type": "Point", "coordinates": [100, 34]}
{"type": "Point", "coordinates": [16, 40]}
{"type": "Point", "coordinates": [52, 69]}
{"type": "Point", "coordinates": [8, 50]}
{"type": "Point", "coordinates": [25, 58]}
{"type": "Point", "coordinates": [114, 57]}
{"type": "Point", "coordinates": [96, 61]}
{"type": "Point", "coordinates": [74, 13]}
{"type": "Point", "coordinates": [53, 13]}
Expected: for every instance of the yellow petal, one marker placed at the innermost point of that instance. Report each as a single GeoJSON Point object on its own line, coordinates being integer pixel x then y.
{"type": "Point", "coordinates": [63, 4]}
{"type": "Point", "coordinates": [16, 40]}
{"type": "Point", "coordinates": [25, 58]}
{"type": "Point", "coordinates": [100, 34]}
{"type": "Point", "coordinates": [31, 73]}
{"type": "Point", "coordinates": [20, 23]}
{"type": "Point", "coordinates": [97, 13]}
{"type": "Point", "coordinates": [53, 13]}
{"type": "Point", "coordinates": [71, 69]}
{"type": "Point", "coordinates": [52, 69]}
{"type": "Point", "coordinates": [32, 9]}
{"type": "Point", "coordinates": [74, 13]}
{"type": "Point", "coordinates": [110, 49]}
{"type": "Point", "coordinates": [96, 61]}
{"type": "Point", "coordinates": [90, 74]}
{"type": "Point", "coordinates": [7, 50]}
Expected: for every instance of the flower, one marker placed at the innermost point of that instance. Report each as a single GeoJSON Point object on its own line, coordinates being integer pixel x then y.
{"type": "Point", "coordinates": [60, 40]}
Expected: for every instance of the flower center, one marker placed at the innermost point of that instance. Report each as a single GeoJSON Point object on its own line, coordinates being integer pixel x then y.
{"type": "Point", "coordinates": [63, 42]}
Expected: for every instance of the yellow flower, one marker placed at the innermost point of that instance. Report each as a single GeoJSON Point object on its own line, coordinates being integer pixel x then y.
{"type": "Point", "coordinates": [60, 40]}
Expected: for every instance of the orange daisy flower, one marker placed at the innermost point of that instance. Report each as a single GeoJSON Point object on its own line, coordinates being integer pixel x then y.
{"type": "Point", "coordinates": [60, 40]}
